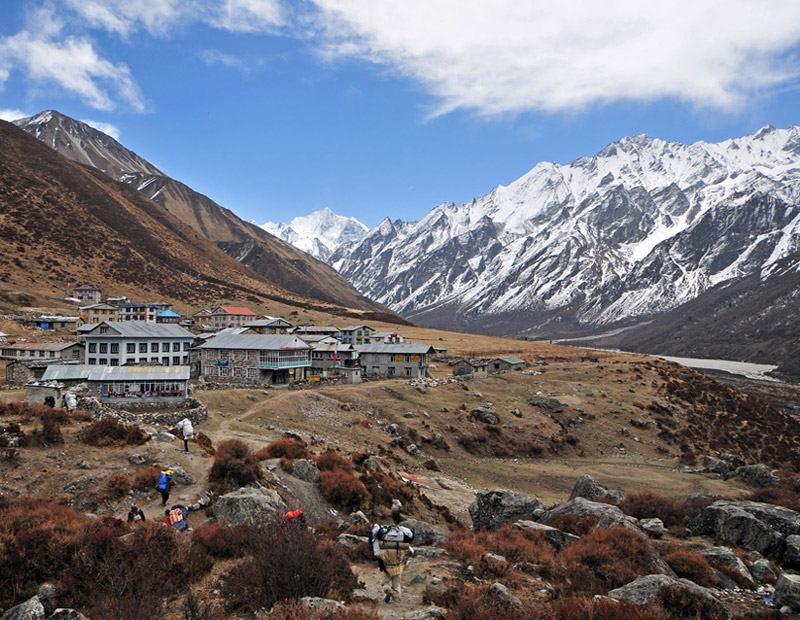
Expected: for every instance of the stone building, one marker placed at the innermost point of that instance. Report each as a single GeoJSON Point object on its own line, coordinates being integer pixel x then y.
{"type": "Point", "coordinates": [507, 364]}
{"type": "Point", "coordinates": [136, 342]}
{"type": "Point", "coordinates": [406, 359]}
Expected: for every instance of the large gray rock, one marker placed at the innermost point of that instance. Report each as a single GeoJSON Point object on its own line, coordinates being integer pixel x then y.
{"type": "Point", "coordinates": [498, 591]}
{"type": "Point", "coordinates": [717, 466]}
{"type": "Point", "coordinates": [755, 475]}
{"type": "Point", "coordinates": [791, 554]}
{"type": "Point", "coordinates": [547, 403]}
{"type": "Point", "coordinates": [555, 537]}
{"type": "Point", "coordinates": [248, 506]}
{"type": "Point", "coordinates": [762, 571]}
{"type": "Point", "coordinates": [373, 463]}
{"type": "Point", "coordinates": [66, 614]}
{"type": "Point", "coordinates": [725, 557]}
{"type": "Point", "coordinates": [32, 609]}
{"type": "Point", "coordinates": [491, 509]}
{"type": "Point", "coordinates": [653, 527]}
{"type": "Point", "coordinates": [482, 414]}
{"type": "Point", "coordinates": [321, 604]}
{"type": "Point", "coordinates": [305, 470]}
{"type": "Point", "coordinates": [431, 612]}
{"type": "Point", "coordinates": [649, 589]}
{"type": "Point", "coordinates": [425, 533]}
{"type": "Point", "coordinates": [588, 488]}
{"type": "Point", "coordinates": [354, 518]}
{"type": "Point", "coordinates": [180, 475]}
{"type": "Point", "coordinates": [580, 507]}
{"type": "Point", "coordinates": [350, 540]}
{"type": "Point", "coordinates": [752, 525]}
{"type": "Point", "coordinates": [787, 591]}
{"type": "Point", "coordinates": [618, 519]}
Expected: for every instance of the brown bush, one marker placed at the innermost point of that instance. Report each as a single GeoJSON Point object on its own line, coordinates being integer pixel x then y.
{"type": "Point", "coordinates": [330, 460]}
{"type": "Point", "coordinates": [80, 415]}
{"type": "Point", "coordinates": [220, 541]}
{"type": "Point", "coordinates": [287, 465]}
{"type": "Point", "coordinates": [342, 489]}
{"type": "Point", "coordinates": [287, 563]}
{"type": "Point", "coordinates": [691, 566]}
{"type": "Point", "coordinates": [294, 610]}
{"type": "Point", "coordinates": [681, 602]}
{"type": "Point", "coordinates": [782, 494]}
{"type": "Point", "coordinates": [383, 488]}
{"type": "Point", "coordinates": [287, 447]}
{"type": "Point", "coordinates": [56, 416]}
{"type": "Point", "coordinates": [605, 559]}
{"type": "Point", "coordinates": [145, 479]}
{"type": "Point", "coordinates": [48, 434]}
{"type": "Point", "coordinates": [646, 505]}
{"type": "Point", "coordinates": [110, 432]}
{"type": "Point", "coordinates": [574, 525]}
{"type": "Point", "coordinates": [118, 484]}
{"type": "Point", "coordinates": [234, 465]}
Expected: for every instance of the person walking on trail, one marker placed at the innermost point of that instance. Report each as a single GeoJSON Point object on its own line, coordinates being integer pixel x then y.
{"type": "Point", "coordinates": [390, 545]}
{"type": "Point", "coordinates": [164, 485]}
{"type": "Point", "coordinates": [176, 517]}
{"type": "Point", "coordinates": [187, 431]}
{"type": "Point", "coordinates": [135, 513]}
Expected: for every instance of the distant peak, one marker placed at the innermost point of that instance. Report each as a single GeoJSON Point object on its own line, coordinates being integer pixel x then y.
{"type": "Point", "coordinates": [765, 130]}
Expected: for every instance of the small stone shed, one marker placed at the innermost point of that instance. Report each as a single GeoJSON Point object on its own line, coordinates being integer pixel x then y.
{"type": "Point", "coordinates": [506, 364]}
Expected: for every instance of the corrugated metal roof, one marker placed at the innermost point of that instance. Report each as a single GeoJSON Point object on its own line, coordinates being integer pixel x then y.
{"type": "Point", "coordinates": [412, 348]}
{"type": "Point", "coordinates": [40, 346]}
{"type": "Point", "coordinates": [269, 321]}
{"type": "Point", "coordinates": [333, 347]}
{"type": "Point", "coordinates": [139, 373]}
{"type": "Point", "coordinates": [169, 313]}
{"type": "Point", "coordinates": [140, 329]}
{"type": "Point", "coordinates": [67, 372]}
{"type": "Point", "coordinates": [259, 342]}
{"type": "Point", "coordinates": [510, 359]}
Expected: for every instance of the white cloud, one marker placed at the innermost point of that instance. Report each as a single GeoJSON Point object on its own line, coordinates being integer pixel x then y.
{"type": "Point", "coordinates": [12, 115]}
{"type": "Point", "coordinates": [70, 62]}
{"type": "Point", "coordinates": [248, 15]}
{"type": "Point", "coordinates": [127, 16]}
{"type": "Point", "coordinates": [215, 57]}
{"type": "Point", "coordinates": [106, 128]}
{"type": "Point", "coordinates": [507, 56]}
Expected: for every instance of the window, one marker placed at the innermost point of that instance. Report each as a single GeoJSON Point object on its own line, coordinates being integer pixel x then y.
{"type": "Point", "coordinates": [407, 359]}
{"type": "Point", "coordinates": [153, 347]}
{"type": "Point", "coordinates": [76, 355]}
{"type": "Point", "coordinates": [141, 360]}
{"type": "Point", "coordinates": [390, 371]}
{"type": "Point", "coordinates": [211, 354]}
{"type": "Point", "coordinates": [238, 371]}
{"type": "Point", "coordinates": [185, 359]}
{"type": "Point", "coordinates": [91, 361]}
{"type": "Point", "coordinates": [185, 346]}
{"type": "Point", "coordinates": [408, 371]}
{"type": "Point", "coordinates": [102, 362]}
{"type": "Point", "coordinates": [223, 355]}
{"type": "Point", "coordinates": [154, 360]}
{"type": "Point", "coordinates": [52, 353]}
{"type": "Point", "coordinates": [142, 347]}
{"type": "Point", "coordinates": [114, 361]}
{"type": "Point", "coordinates": [130, 348]}
{"type": "Point", "coordinates": [103, 347]}
{"type": "Point", "coordinates": [115, 347]}
{"type": "Point", "coordinates": [176, 360]}
{"type": "Point", "coordinates": [165, 347]}
{"type": "Point", "coordinates": [165, 360]}
{"type": "Point", "coordinates": [176, 346]}
{"type": "Point", "coordinates": [223, 371]}
{"type": "Point", "coordinates": [92, 347]}
{"type": "Point", "coordinates": [41, 353]}
{"type": "Point", "coordinates": [104, 329]}
{"type": "Point", "coordinates": [251, 372]}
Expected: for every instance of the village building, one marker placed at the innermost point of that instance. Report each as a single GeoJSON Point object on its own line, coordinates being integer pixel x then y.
{"type": "Point", "coordinates": [168, 316]}
{"type": "Point", "coordinates": [87, 293]}
{"type": "Point", "coordinates": [97, 313]}
{"type": "Point", "coordinates": [136, 342]}
{"type": "Point", "coordinates": [269, 325]}
{"type": "Point", "coordinates": [147, 313]}
{"type": "Point", "coordinates": [62, 350]}
{"type": "Point", "coordinates": [356, 334]}
{"type": "Point", "coordinates": [406, 359]}
{"type": "Point", "coordinates": [317, 330]}
{"type": "Point", "coordinates": [203, 319]}
{"type": "Point", "coordinates": [385, 337]}
{"type": "Point", "coordinates": [125, 384]}
{"type": "Point", "coordinates": [474, 368]}
{"type": "Point", "coordinates": [231, 316]}
{"type": "Point", "coordinates": [507, 364]}
{"type": "Point", "coordinates": [254, 359]}
{"type": "Point", "coordinates": [55, 322]}
{"type": "Point", "coordinates": [329, 356]}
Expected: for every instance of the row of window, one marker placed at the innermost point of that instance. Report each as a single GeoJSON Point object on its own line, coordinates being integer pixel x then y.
{"type": "Point", "coordinates": [113, 347]}
{"type": "Point", "coordinates": [177, 360]}
{"type": "Point", "coordinates": [225, 371]}
{"type": "Point", "coordinates": [391, 371]}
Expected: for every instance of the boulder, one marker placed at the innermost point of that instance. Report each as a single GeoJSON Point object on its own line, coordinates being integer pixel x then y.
{"type": "Point", "coordinates": [787, 591]}
{"type": "Point", "coordinates": [66, 614]}
{"type": "Point", "coordinates": [648, 590]}
{"type": "Point", "coordinates": [491, 509]}
{"type": "Point", "coordinates": [618, 519]}
{"type": "Point", "coordinates": [350, 540]}
{"type": "Point", "coordinates": [431, 612]}
{"type": "Point", "coordinates": [355, 518]}
{"type": "Point", "coordinates": [361, 595]}
{"type": "Point", "coordinates": [726, 558]}
{"type": "Point", "coordinates": [735, 523]}
{"type": "Point", "coordinates": [32, 609]}
{"type": "Point", "coordinates": [137, 459]}
{"type": "Point", "coordinates": [547, 403]}
{"type": "Point", "coordinates": [755, 475]}
{"type": "Point", "coordinates": [482, 414]}
{"type": "Point", "coordinates": [555, 537]}
{"type": "Point", "coordinates": [163, 436]}
{"type": "Point", "coordinates": [248, 506]}
{"type": "Point", "coordinates": [321, 604]}
{"type": "Point", "coordinates": [588, 488]}
{"type": "Point", "coordinates": [305, 470]}
{"type": "Point", "coordinates": [654, 528]}
{"type": "Point", "coordinates": [429, 553]}
{"type": "Point", "coordinates": [791, 554]}
{"type": "Point", "coordinates": [580, 507]}
{"type": "Point", "coordinates": [762, 571]}
{"type": "Point", "coordinates": [425, 533]}
{"type": "Point", "coordinates": [717, 466]}
{"type": "Point", "coordinates": [180, 475]}
{"type": "Point", "coordinates": [498, 591]}
{"type": "Point", "coordinates": [373, 463]}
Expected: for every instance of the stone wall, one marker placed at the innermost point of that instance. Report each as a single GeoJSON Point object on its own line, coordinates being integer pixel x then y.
{"type": "Point", "coordinates": [19, 373]}
{"type": "Point", "coordinates": [143, 412]}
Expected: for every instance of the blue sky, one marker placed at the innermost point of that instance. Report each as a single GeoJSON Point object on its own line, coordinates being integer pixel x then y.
{"type": "Point", "coordinates": [276, 108]}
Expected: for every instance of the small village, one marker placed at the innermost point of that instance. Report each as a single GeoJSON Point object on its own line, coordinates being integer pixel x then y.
{"type": "Point", "coordinates": [125, 352]}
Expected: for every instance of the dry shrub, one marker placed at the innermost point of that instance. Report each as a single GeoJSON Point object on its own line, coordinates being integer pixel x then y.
{"type": "Point", "coordinates": [330, 460]}
{"type": "Point", "coordinates": [782, 494]}
{"type": "Point", "coordinates": [118, 484]}
{"type": "Point", "coordinates": [342, 489]}
{"type": "Point", "coordinates": [291, 447]}
{"type": "Point", "coordinates": [365, 422]}
{"type": "Point", "coordinates": [295, 610]}
{"type": "Point", "coordinates": [9, 455]}
{"type": "Point", "coordinates": [646, 505]}
{"type": "Point", "coordinates": [204, 441]}
{"type": "Point", "coordinates": [570, 608]}
{"type": "Point", "coordinates": [383, 488]}
{"type": "Point", "coordinates": [48, 434]}
{"type": "Point", "coordinates": [80, 415]}
{"type": "Point", "coordinates": [691, 566]}
{"type": "Point", "coordinates": [110, 432]}
{"type": "Point", "coordinates": [681, 602]}
{"type": "Point", "coordinates": [145, 479]}
{"type": "Point", "coordinates": [234, 465]}
{"type": "Point", "coordinates": [574, 525]}
{"type": "Point", "coordinates": [57, 416]}
{"type": "Point", "coordinates": [286, 464]}
{"type": "Point", "coordinates": [605, 559]}
{"type": "Point", "coordinates": [287, 563]}
{"type": "Point", "coordinates": [220, 541]}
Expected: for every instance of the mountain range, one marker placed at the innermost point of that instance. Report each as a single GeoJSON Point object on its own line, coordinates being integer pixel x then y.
{"type": "Point", "coordinates": [278, 262]}
{"type": "Point", "coordinates": [320, 233]}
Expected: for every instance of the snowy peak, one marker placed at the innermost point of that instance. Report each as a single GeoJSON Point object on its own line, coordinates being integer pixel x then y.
{"type": "Point", "coordinates": [319, 233]}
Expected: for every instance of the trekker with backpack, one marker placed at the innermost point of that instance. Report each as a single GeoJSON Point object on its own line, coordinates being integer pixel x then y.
{"type": "Point", "coordinates": [176, 517]}
{"type": "Point", "coordinates": [164, 485]}
{"type": "Point", "coordinates": [390, 545]}
{"type": "Point", "coordinates": [135, 513]}
{"type": "Point", "coordinates": [186, 430]}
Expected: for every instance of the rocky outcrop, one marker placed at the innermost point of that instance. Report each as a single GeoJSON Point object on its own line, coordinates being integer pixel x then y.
{"type": "Point", "coordinates": [588, 488]}
{"type": "Point", "coordinates": [32, 609]}
{"type": "Point", "coordinates": [650, 589]}
{"type": "Point", "coordinates": [248, 506]}
{"type": "Point", "coordinates": [555, 537]}
{"type": "Point", "coordinates": [762, 571]}
{"type": "Point", "coordinates": [548, 403]}
{"type": "Point", "coordinates": [754, 475]}
{"type": "Point", "coordinates": [305, 470]}
{"type": "Point", "coordinates": [580, 507]}
{"type": "Point", "coordinates": [787, 591]}
{"type": "Point", "coordinates": [425, 533]}
{"type": "Point", "coordinates": [726, 558]}
{"type": "Point", "coordinates": [491, 509]}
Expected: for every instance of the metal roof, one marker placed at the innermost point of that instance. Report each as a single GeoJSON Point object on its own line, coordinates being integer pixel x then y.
{"type": "Point", "coordinates": [41, 346]}
{"type": "Point", "coordinates": [268, 322]}
{"type": "Point", "coordinates": [314, 329]}
{"type": "Point", "coordinates": [234, 310]}
{"type": "Point", "coordinates": [333, 347]}
{"type": "Point", "coordinates": [352, 328]}
{"type": "Point", "coordinates": [67, 372]}
{"type": "Point", "coordinates": [84, 372]}
{"type": "Point", "coordinates": [510, 359]}
{"type": "Point", "coordinates": [412, 348]}
{"type": "Point", "coordinates": [168, 313]}
{"type": "Point", "coordinates": [259, 342]}
{"type": "Point", "coordinates": [139, 329]}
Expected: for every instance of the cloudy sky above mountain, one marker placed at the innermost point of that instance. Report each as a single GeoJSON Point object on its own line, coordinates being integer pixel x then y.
{"type": "Point", "coordinates": [376, 108]}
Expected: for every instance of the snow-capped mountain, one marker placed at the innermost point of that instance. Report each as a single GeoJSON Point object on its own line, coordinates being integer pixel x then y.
{"type": "Point", "coordinates": [640, 228]}
{"type": "Point", "coordinates": [319, 233]}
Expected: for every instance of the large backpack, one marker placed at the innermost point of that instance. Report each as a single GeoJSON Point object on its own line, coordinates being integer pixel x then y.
{"type": "Point", "coordinates": [163, 481]}
{"type": "Point", "coordinates": [394, 536]}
